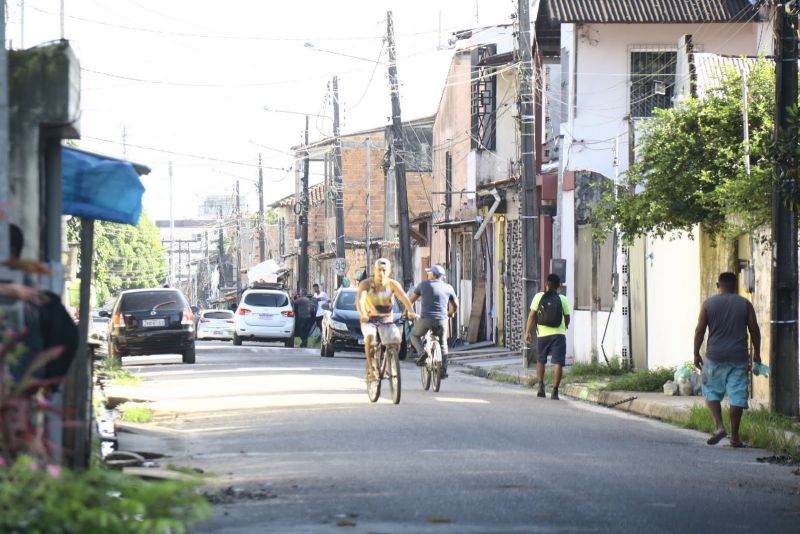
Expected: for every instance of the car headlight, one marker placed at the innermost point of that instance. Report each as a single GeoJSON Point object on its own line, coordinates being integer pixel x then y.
{"type": "Point", "coordinates": [338, 325]}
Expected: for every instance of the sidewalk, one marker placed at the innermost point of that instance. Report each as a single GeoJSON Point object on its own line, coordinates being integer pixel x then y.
{"type": "Point", "coordinates": [507, 367]}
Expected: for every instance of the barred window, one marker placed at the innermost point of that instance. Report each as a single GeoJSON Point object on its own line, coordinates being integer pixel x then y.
{"type": "Point", "coordinates": [652, 80]}
{"type": "Point", "coordinates": [484, 100]}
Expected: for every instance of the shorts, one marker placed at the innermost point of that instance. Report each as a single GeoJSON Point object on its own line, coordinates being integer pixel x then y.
{"type": "Point", "coordinates": [726, 377]}
{"type": "Point", "coordinates": [390, 334]}
{"type": "Point", "coordinates": [554, 346]}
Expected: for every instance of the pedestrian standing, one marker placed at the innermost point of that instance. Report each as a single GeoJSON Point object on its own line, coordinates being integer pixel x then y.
{"type": "Point", "coordinates": [439, 302]}
{"type": "Point", "coordinates": [550, 314]}
{"type": "Point", "coordinates": [728, 318]}
{"type": "Point", "coordinates": [322, 298]}
{"type": "Point", "coordinates": [304, 314]}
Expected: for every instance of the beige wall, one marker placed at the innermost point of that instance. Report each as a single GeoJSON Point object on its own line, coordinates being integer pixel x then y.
{"type": "Point", "coordinates": [451, 133]}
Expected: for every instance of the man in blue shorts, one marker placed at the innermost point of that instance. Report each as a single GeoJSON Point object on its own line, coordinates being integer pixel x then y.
{"type": "Point", "coordinates": [728, 318]}
{"type": "Point", "coordinates": [550, 313]}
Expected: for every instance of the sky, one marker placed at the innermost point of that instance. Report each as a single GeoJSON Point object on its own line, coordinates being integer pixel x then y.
{"type": "Point", "coordinates": [188, 82]}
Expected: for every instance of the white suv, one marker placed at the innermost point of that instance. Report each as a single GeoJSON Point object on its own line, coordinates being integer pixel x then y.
{"type": "Point", "coordinates": [265, 315]}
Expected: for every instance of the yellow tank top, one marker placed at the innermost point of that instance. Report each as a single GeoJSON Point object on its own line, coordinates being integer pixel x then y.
{"type": "Point", "coordinates": [379, 301]}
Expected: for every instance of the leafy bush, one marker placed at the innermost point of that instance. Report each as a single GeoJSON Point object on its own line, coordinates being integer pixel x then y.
{"type": "Point", "coordinates": [646, 380]}
{"type": "Point", "coordinates": [48, 499]}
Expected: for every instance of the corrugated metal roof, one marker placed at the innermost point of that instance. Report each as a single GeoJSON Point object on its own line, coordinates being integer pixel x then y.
{"type": "Point", "coordinates": [651, 11]}
{"type": "Point", "coordinates": [712, 68]}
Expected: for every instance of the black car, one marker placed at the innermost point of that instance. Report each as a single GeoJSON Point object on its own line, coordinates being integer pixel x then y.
{"type": "Point", "coordinates": [341, 327]}
{"type": "Point", "coordinates": [151, 321]}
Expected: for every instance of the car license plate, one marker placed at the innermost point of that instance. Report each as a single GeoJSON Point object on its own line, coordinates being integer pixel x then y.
{"type": "Point", "coordinates": [217, 332]}
{"type": "Point", "coordinates": [361, 341]}
{"type": "Point", "coordinates": [265, 316]}
{"type": "Point", "coordinates": [153, 322]}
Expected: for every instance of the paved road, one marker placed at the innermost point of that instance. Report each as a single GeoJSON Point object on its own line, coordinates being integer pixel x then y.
{"type": "Point", "coordinates": [297, 435]}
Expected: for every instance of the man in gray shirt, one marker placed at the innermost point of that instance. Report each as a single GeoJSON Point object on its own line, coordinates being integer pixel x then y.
{"type": "Point", "coordinates": [439, 302]}
{"type": "Point", "coordinates": [728, 318]}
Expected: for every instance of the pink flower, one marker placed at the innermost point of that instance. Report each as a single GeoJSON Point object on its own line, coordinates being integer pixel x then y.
{"type": "Point", "coordinates": [54, 470]}
{"type": "Point", "coordinates": [34, 466]}
{"type": "Point", "coordinates": [2, 461]}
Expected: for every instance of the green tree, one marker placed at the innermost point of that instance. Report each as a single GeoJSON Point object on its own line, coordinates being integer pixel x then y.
{"type": "Point", "coordinates": [125, 257]}
{"type": "Point", "coordinates": [690, 169]}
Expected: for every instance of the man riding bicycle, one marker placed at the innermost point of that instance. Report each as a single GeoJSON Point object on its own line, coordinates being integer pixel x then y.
{"type": "Point", "coordinates": [439, 302]}
{"type": "Point", "coordinates": [375, 303]}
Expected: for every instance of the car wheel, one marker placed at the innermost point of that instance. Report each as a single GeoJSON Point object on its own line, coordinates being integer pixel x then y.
{"type": "Point", "coordinates": [189, 354]}
{"type": "Point", "coordinates": [237, 340]}
{"type": "Point", "coordinates": [289, 343]}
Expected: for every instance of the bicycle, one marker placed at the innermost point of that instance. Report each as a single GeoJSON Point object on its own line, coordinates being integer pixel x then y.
{"type": "Point", "coordinates": [385, 359]}
{"type": "Point", "coordinates": [431, 372]}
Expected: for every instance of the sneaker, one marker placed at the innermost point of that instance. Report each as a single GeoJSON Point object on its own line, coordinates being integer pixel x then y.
{"type": "Point", "coordinates": [541, 390]}
{"type": "Point", "coordinates": [421, 361]}
{"type": "Point", "coordinates": [554, 394]}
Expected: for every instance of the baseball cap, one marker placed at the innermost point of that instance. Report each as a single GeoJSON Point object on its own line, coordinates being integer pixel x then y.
{"type": "Point", "coordinates": [383, 262]}
{"type": "Point", "coordinates": [436, 269]}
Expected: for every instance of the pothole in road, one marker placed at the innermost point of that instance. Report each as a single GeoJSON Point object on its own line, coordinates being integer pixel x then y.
{"type": "Point", "coordinates": [234, 493]}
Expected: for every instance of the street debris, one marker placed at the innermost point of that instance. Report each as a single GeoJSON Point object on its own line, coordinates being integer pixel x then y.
{"type": "Point", "coordinates": [234, 493]}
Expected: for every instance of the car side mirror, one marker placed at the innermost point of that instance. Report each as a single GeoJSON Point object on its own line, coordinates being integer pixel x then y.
{"type": "Point", "coordinates": [194, 309]}
{"type": "Point", "coordinates": [103, 313]}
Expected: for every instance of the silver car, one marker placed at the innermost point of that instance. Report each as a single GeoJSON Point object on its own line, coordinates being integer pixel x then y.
{"type": "Point", "coordinates": [215, 324]}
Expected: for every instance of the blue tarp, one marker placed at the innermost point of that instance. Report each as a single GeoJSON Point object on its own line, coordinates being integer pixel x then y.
{"type": "Point", "coordinates": [99, 187]}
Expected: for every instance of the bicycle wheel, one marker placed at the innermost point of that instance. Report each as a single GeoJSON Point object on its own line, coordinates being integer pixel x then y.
{"type": "Point", "coordinates": [436, 368]}
{"type": "Point", "coordinates": [425, 374]}
{"type": "Point", "coordinates": [394, 374]}
{"type": "Point", "coordinates": [374, 384]}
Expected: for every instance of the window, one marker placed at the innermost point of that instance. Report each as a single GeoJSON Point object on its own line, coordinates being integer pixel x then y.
{"type": "Point", "coordinates": [147, 300]}
{"type": "Point", "coordinates": [267, 300]}
{"type": "Point", "coordinates": [448, 180]}
{"type": "Point", "coordinates": [346, 301]}
{"type": "Point", "coordinates": [652, 80]}
{"type": "Point", "coordinates": [484, 100]}
{"type": "Point", "coordinates": [218, 314]}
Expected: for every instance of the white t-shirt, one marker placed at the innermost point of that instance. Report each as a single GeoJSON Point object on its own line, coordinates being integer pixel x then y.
{"type": "Point", "coordinates": [322, 298]}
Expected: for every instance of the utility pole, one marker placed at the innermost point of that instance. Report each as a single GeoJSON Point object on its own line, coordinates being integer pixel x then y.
{"type": "Point", "coordinates": [171, 230]}
{"type": "Point", "coordinates": [398, 153]}
{"type": "Point", "coordinates": [783, 334]}
{"type": "Point", "coordinates": [367, 148]}
{"type": "Point", "coordinates": [179, 278]}
{"type": "Point", "coordinates": [337, 178]}
{"type": "Point", "coordinates": [4, 132]}
{"type": "Point", "coordinates": [238, 246]}
{"type": "Point", "coordinates": [262, 245]}
{"type": "Point", "coordinates": [530, 202]}
{"type": "Point", "coordinates": [221, 259]}
{"type": "Point", "coordinates": [302, 278]}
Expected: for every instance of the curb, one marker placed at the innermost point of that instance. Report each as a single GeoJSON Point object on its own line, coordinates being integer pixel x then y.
{"type": "Point", "coordinates": [625, 401]}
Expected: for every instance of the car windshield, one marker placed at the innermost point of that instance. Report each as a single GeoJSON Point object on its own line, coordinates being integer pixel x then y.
{"type": "Point", "coordinates": [346, 301]}
{"type": "Point", "coordinates": [145, 300]}
{"type": "Point", "coordinates": [267, 300]}
{"type": "Point", "coordinates": [218, 315]}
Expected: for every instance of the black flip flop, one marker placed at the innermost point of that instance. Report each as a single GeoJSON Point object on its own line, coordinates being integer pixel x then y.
{"type": "Point", "coordinates": [716, 437]}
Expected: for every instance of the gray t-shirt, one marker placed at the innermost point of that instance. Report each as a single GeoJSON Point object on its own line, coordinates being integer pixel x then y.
{"type": "Point", "coordinates": [727, 328]}
{"type": "Point", "coordinates": [436, 295]}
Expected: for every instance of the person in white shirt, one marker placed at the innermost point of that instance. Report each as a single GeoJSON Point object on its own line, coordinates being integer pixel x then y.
{"type": "Point", "coordinates": [322, 298]}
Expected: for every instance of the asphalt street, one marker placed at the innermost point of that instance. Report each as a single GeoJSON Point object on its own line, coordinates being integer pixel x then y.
{"type": "Point", "coordinates": [296, 446]}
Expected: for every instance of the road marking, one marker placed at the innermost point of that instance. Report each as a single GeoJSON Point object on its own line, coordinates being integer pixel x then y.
{"type": "Point", "coordinates": [463, 401]}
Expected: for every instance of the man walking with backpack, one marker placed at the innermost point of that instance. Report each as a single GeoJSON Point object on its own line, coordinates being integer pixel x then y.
{"type": "Point", "coordinates": [550, 314]}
